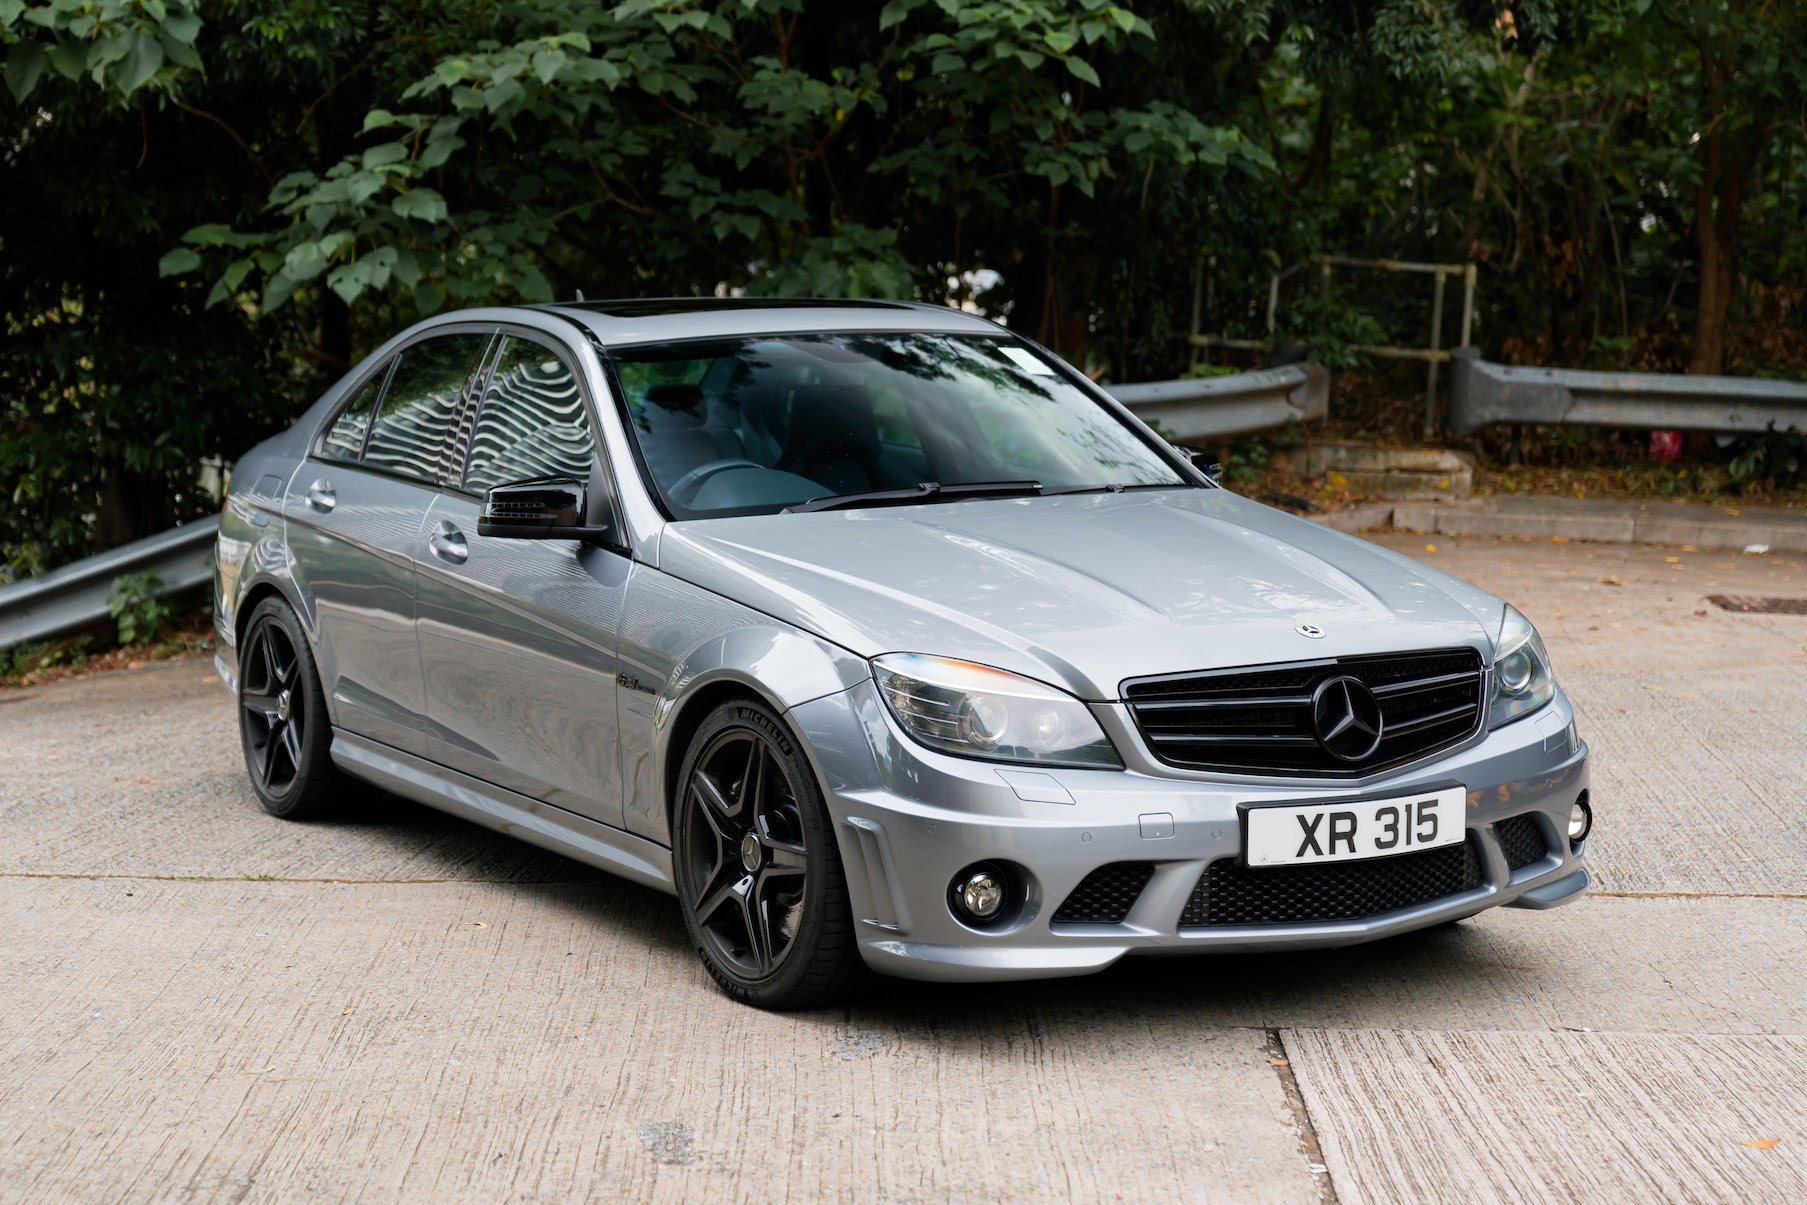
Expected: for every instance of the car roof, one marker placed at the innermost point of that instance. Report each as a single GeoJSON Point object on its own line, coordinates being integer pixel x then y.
{"type": "Point", "coordinates": [669, 319]}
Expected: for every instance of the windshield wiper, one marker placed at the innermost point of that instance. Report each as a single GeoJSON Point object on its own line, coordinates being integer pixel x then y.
{"type": "Point", "coordinates": [1117, 487]}
{"type": "Point", "coordinates": [926, 491]}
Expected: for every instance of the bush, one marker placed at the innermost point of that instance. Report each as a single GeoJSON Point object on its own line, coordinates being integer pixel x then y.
{"type": "Point", "coordinates": [133, 602]}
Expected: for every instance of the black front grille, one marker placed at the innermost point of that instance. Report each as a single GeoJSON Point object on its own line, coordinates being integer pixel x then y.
{"type": "Point", "coordinates": [1521, 839]}
{"type": "Point", "coordinates": [1257, 719]}
{"type": "Point", "coordinates": [1231, 894]}
{"type": "Point", "coordinates": [1105, 896]}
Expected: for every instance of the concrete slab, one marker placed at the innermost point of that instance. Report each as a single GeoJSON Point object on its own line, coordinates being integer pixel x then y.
{"type": "Point", "coordinates": [483, 1042]}
{"type": "Point", "coordinates": [1504, 1118]}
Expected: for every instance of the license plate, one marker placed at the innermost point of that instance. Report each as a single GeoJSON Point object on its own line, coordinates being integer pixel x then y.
{"type": "Point", "coordinates": [1306, 833]}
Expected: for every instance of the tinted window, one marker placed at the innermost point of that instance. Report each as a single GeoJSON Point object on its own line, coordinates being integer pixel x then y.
{"type": "Point", "coordinates": [747, 425]}
{"type": "Point", "coordinates": [345, 438]}
{"type": "Point", "coordinates": [421, 403]}
{"type": "Point", "coordinates": [531, 422]}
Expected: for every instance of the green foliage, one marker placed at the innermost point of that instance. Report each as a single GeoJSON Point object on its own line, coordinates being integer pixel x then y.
{"type": "Point", "coordinates": [134, 604]}
{"type": "Point", "coordinates": [1774, 456]}
{"type": "Point", "coordinates": [769, 150]}
{"type": "Point", "coordinates": [120, 46]}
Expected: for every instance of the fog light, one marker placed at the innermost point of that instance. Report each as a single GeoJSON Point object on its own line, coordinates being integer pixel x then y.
{"type": "Point", "coordinates": [982, 895]}
{"type": "Point", "coordinates": [1581, 821]}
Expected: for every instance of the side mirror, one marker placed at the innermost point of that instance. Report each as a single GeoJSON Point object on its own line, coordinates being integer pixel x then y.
{"type": "Point", "coordinates": [540, 508]}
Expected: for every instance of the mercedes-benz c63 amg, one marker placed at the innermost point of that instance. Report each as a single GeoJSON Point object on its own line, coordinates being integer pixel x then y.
{"type": "Point", "coordinates": [882, 639]}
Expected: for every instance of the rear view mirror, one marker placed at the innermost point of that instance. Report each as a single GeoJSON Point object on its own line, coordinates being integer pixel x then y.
{"type": "Point", "coordinates": [540, 508]}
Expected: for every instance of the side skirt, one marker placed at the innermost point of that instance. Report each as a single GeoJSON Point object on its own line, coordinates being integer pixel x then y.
{"type": "Point", "coordinates": [517, 816]}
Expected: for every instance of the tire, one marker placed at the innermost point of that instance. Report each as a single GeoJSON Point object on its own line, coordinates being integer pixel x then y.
{"type": "Point", "coordinates": [758, 871]}
{"type": "Point", "coordinates": [282, 720]}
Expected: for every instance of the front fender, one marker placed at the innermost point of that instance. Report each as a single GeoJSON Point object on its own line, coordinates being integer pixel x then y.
{"type": "Point", "coordinates": [682, 650]}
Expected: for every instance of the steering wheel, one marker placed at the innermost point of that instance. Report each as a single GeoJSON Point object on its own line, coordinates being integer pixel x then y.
{"type": "Point", "coordinates": [685, 487]}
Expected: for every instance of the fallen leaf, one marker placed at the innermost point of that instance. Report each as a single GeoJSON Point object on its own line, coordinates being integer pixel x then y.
{"type": "Point", "coordinates": [1430, 548]}
{"type": "Point", "coordinates": [1762, 1144]}
{"type": "Point", "coordinates": [257, 1070]}
{"type": "Point", "coordinates": [1684, 696]}
{"type": "Point", "coordinates": [144, 780]}
{"type": "Point", "coordinates": [1611, 581]}
{"type": "Point", "coordinates": [1673, 560]}
{"type": "Point", "coordinates": [54, 757]}
{"type": "Point", "coordinates": [1280, 1062]}
{"type": "Point", "coordinates": [134, 665]}
{"type": "Point", "coordinates": [346, 1013]}
{"type": "Point", "coordinates": [1558, 540]}
{"type": "Point", "coordinates": [477, 924]}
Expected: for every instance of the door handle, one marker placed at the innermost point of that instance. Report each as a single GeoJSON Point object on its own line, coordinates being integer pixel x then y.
{"type": "Point", "coordinates": [320, 495]}
{"type": "Point", "coordinates": [448, 542]}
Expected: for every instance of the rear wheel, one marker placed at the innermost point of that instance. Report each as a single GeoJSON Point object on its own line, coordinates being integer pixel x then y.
{"type": "Point", "coordinates": [758, 873]}
{"type": "Point", "coordinates": [282, 717]}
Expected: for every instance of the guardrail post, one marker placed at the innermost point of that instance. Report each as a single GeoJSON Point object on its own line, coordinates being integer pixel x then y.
{"type": "Point", "coordinates": [1430, 384]}
{"type": "Point", "coordinates": [1464, 377]}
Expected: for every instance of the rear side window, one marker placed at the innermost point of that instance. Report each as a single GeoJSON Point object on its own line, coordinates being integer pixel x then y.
{"type": "Point", "coordinates": [421, 404]}
{"type": "Point", "coordinates": [531, 422]}
{"type": "Point", "coordinates": [345, 438]}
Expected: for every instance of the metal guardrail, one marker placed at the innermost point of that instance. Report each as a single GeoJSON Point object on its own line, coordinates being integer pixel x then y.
{"type": "Point", "coordinates": [75, 596]}
{"type": "Point", "coordinates": [1483, 393]}
{"type": "Point", "coordinates": [1221, 407]}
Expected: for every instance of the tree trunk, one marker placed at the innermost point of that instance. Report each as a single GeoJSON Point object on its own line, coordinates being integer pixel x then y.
{"type": "Point", "coordinates": [129, 505]}
{"type": "Point", "coordinates": [1727, 169]}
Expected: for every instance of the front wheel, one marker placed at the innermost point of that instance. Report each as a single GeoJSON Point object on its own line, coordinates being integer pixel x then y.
{"type": "Point", "coordinates": [758, 874]}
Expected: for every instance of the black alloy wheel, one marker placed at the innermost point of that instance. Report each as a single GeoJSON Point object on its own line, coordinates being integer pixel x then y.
{"type": "Point", "coordinates": [759, 876]}
{"type": "Point", "coordinates": [282, 717]}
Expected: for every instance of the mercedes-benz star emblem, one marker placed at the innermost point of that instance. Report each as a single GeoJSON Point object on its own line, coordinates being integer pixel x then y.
{"type": "Point", "coordinates": [1346, 717]}
{"type": "Point", "coordinates": [1310, 629]}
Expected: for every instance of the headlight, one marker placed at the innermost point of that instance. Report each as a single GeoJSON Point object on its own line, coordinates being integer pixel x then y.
{"type": "Point", "coordinates": [1522, 681]}
{"type": "Point", "coordinates": [976, 711]}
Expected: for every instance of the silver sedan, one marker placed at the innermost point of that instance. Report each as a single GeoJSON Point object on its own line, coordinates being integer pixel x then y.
{"type": "Point", "coordinates": [881, 638]}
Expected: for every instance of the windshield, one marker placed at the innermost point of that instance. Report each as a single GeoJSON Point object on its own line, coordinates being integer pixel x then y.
{"type": "Point", "coordinates": [748, 426]}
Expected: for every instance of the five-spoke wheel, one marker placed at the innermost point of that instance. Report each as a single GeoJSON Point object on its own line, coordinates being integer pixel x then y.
{"type": "Point", "coordinates": [757, 871]}
{"type": "Point", "coordinates": [270, 673]}
{"type": "Point", "coordinates": [282, 717]}
{"type": "Point", "coordinates": [748, 865]}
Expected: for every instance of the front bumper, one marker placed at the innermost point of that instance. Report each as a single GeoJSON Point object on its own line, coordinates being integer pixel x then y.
{"type": "Point", "coordinates": [909, 819]}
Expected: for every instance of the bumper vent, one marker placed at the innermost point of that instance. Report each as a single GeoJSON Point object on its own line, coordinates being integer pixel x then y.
{"type": "Point", "coordinates": [1105, 896]}
{"type": "Point", "coordinates": [1521, 840]}
{"type": "Point", "coordinates": [1258, 719]}
{"type": "Point", "coordinates": [1231, 894]}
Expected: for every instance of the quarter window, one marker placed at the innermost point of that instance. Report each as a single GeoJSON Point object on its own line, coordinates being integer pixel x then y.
{"type": "Point", "coordinates": [422, 401]}
{"type": "Point", "coordinates": [531, 422]}
{"type": "Point", "coordinates": [345, 438]}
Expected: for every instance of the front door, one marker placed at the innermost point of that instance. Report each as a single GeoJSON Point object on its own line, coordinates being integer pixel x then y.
{"type": "Point", "coordinates": [517, 637]}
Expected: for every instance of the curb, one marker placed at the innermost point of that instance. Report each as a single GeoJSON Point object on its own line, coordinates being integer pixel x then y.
{"type": "Point", "coordinates": [1546, 518]}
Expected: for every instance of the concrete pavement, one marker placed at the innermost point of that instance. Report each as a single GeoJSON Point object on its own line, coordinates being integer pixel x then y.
{"type": "Point", "coordinates": [201, 1003]}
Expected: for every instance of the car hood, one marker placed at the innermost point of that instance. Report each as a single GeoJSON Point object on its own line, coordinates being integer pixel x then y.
{"type": "Point", "coordinates": [1082, 591]}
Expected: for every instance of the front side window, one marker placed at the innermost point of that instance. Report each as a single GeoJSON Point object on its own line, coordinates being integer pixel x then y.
{"type": "Point", "coordinates": [745, 426]}
{"type": "Point", "coordinates": [344, 440]}
{"type": "Point", "coordinates": [531, 422]}
{"type": "Point", "coordinates": [421, 403]}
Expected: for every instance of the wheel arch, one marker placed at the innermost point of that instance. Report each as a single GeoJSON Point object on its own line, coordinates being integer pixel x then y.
{"type": "Point", "coordinates": [779, 667]}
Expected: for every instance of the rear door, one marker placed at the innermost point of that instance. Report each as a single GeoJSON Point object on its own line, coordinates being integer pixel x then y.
{"type": "Point", "coordinates": [355, 510]}
{"type": "Point", "coordinates": [517, 637]}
